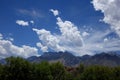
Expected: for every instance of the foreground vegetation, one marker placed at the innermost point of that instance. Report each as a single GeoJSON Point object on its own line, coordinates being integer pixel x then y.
{"type": "Point", "coordinates": [20, 69]}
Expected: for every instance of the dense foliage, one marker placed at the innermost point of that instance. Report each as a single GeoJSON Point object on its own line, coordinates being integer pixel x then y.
{"type": "Point", "coordinates": [20, 69]}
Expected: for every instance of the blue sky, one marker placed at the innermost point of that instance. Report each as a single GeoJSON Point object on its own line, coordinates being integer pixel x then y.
{"type": "Point", "coordinates": [89, 19]}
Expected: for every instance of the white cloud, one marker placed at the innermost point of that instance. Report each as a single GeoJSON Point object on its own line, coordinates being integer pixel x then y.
{"type": "Point", "coordinates": [1, 36]}
{"type": "Point", "coordinates": [111, 11]}
{"type": "Point", "coordinates": [97, 42]}
{"type": "Point", "coordinates": [105, 39]}
{"type": "Point", "coordinates": [70, 35]}
{"type": "Point", "coordinates": [22, 23]}
{"type": "Point", "coordinates": [71, 40]}
{"type": "Point", "coordinates": [55, 12]}
{"type": "Point", "coordinates": [68, 40]}
{"type": "Point", "coordinates": [84, 34]}
{"type": "Point", "coordinates": [48, 39]}
{"type": "Point", "coordinates": [9, 38]}
{"type": "Point", "coordinates": [43, 48]}
{"type": "Point", "coordinates": [32, 22]}
{"type": "Point", "coordinates": [7, 49]}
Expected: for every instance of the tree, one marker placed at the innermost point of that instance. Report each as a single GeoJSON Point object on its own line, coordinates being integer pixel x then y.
{"type": "Point", "coordinates": [97, 73]}
{"type": "Point", "coordinates": [58, 71]}
{"type": "Point", "coordinates": [17, 69]}
{"type": "Point", "coordinates": [42, 71]}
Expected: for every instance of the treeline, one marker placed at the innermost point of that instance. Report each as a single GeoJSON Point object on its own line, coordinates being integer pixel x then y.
{"type": "Point", "coordinates": [20, 69]}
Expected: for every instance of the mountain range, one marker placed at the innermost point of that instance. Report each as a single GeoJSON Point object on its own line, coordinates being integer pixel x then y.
{"type": "Point", "coordinates": [68, 59]}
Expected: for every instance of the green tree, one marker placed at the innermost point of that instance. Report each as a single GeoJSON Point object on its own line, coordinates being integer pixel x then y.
{"type": "Point", "coordinates": [17, 69]}
{"type": "Point", "coordinates": [97, 73]}
{"type": "Point", "coordinates": [42, 71]}
{"type": "Point", "coordinates": [58, 71]}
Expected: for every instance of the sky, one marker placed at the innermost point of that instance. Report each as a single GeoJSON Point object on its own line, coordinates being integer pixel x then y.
{"type": "Point", "coordinates": [30, 28]}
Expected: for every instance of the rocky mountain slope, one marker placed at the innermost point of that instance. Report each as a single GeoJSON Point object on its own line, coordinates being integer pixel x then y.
{"type": "Point", "coordinates": [105, 59]}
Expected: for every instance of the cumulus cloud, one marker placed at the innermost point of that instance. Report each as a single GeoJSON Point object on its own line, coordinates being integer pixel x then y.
{"type": "Point", "coordinates": [55, 12]}
{"type": "Point", "coordinates": [22, 23]}
{"type": "Point", "coordinates": [71, 39]}
{"type": "Point", "coordinates": [68, 40]}
{"type": "Point", "coordinates": [48, 40]}
{"type": "Point", "coordinates": [7, 49]}
{"type": "Point", "coordinates": [111, 11]}
{"type": "Point", "coordinates": [70, 35]}
{"type": "Point", "coordinates": [43, 48]}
